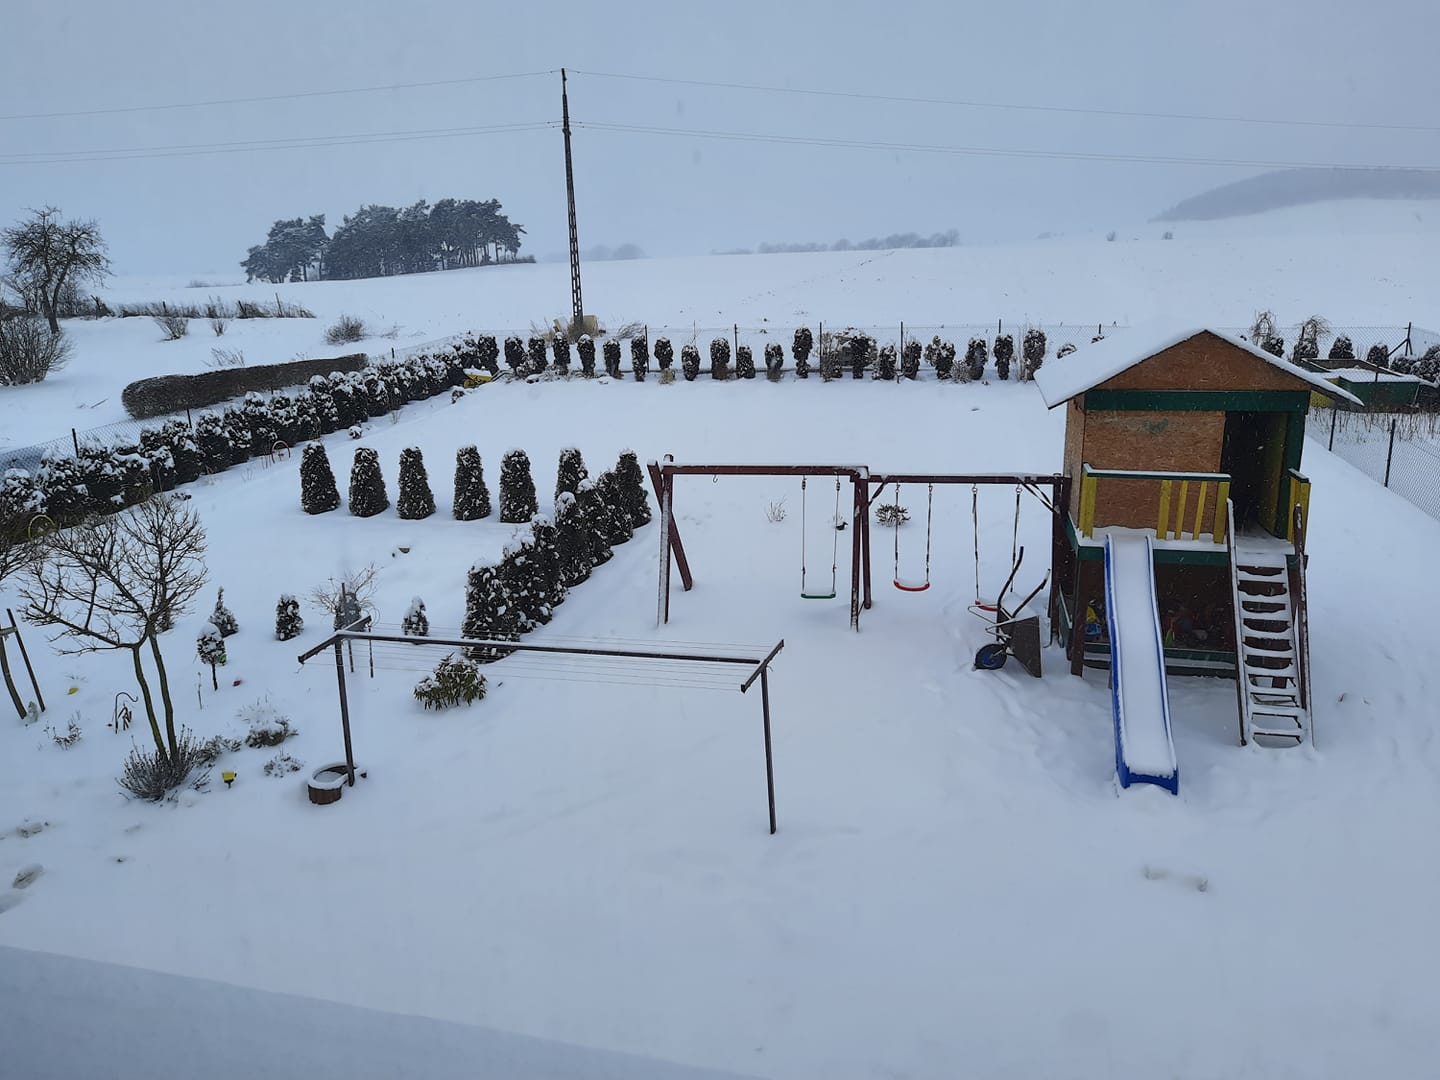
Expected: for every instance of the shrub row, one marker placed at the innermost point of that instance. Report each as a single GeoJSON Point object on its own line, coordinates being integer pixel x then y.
{"type": "Point", "coordinates": [164, 394]}
{"type": "Point", "coordinates": [68, 488]}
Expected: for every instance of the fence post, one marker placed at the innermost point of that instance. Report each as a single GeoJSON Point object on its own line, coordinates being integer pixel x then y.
{"type": "Point", "coordinates": [1390, 454]}
{"type": "Point", "coordinates": [74, 438]}
{"type": "Point", "coordinates": [1334, 419]}
{"type": "Point", "coordinates": [735, 328]}
{"type": "Point", "coordinates": [188, 421]}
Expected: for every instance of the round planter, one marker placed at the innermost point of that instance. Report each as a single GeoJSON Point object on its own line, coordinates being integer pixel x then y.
{"type": "Point", "coordinates": [327, 783]}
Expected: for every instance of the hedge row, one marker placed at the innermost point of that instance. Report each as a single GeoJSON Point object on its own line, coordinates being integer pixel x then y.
{"type": "Point", "coordinates": [104, 479]}
{"type": "Point", "coordinates": [164, 394]}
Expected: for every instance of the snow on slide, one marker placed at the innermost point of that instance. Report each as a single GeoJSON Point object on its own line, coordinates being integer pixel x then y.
{"type": "Point", "coordinates": [1144, 751]}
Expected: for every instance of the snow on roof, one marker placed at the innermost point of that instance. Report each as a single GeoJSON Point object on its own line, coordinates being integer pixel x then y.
{"type": "Point", "coordinates": [1090, 365]}
{"type": "Point", "coordinates": [1354, 374]}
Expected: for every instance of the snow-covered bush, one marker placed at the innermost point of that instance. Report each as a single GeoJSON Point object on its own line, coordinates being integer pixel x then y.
{"type": "Point", "coordinates": [573, 542]}
{"type": "Point", "coordinates": [585, 349]}
{"type": "Point", "coordinates": [1402, 363]}
{"type": "Point", "coordinates": [415, 623]}
{"type": "Point", "coordinates": [689, 362]}
{"type": "Point", "coordinates": [288, 621]}
{"type": "Point", "coordinates": [487, 354]}
{"type": "Point", "coordinates": [490, 614]}
{"type": "Point", "coordinates": [774, 361]}
{"type": "Point", "coordinates": [891, 514]}
{"type": "Point", "coordinates": [472, 497]}
{"type": "Point", "coordinates": [570, 471]}
{"type": "Point", "coordinates": [282, 764]}
{"type": "Point", "coordinates": [744, 362]}
{"type": "Point", "coordinates": [543, 566]}
{"type": "Point", "coordinates": [664, 353]}
{"type": "Point", "coordinates": [1065, 350]}
{"type": "Point", "coordinates": [1032, 352]}
{"type": "Point", "coordinates": [222, 617]}
{"type": "Point", "coordinates": [515, 355]}
{"type": "Point", "coordinates": [977, 354]}
{"type": "Point", "coordinates": [1428, 366]}
{"type": "Point", "coordinates": [885, 362]}
{"type": "Point", "coordinates": [214, 443]}
{"type": "Point", "coordinates": [517, 488]}
{"type": "Point", "coordinates": [941, 356]}
{"type": "Point", "coordinates": [455, 681]}
{"type": "Point", "coordinates": [1274, 344]}
{"type": "Point", "coordinates": [1378, 355]}
{"type": "Point", "coordinates": [416, 501]}
{"type": "Point", "coordinates": [803, 342]}
{"type": "Point", "coordinates": [367, 484]}
{"type": "Point", "coordinates": [561, 348]}
{"type": "Point", "coordinates": [720, 358]}
{"type": "Point", "coordinates": [630, 489]}
{"type": "Point", "coordinates": [1004, 353]}
{"type": "Point", "coordinates": [605, 517]}
{"type": "Point", "coordinates": [1342, 348]}
{"type": "Point", "coordinates": [860, 347]}
{"type": "Point", "coordinates": [910, 359]}
{"type": "Point", "coordinates": [639, 358]}
{"type": "Point", "coordinates": [210, 645]}
{"type": "Point", "coordinates": [152, 775]}
{"type": "Point", "coordinates": [536, 351]}
{"type": "Point", "coordinates": [265, 724]}
{"type": "Point", "coordinates": [612, 358]}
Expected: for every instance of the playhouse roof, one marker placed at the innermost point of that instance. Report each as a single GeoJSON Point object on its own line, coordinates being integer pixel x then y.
{"type": "Point", "coordinates": [1090, 365]}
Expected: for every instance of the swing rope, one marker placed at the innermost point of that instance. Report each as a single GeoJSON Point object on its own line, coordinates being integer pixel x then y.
{"type": "Point", "coordinates": [975, 532]}
{"type": "Point", "coordinates": [1015, 534]}
{"type": "Point", "coordinates": [805, 594]}
{"type": "Point", "coordinates": [929, 524]}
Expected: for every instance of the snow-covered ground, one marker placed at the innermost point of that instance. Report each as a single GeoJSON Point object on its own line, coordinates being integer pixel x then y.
{"type": "Point", "coordinates": [955, 888]}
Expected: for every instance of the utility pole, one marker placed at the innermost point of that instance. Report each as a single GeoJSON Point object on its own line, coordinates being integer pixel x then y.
{"type": "Point", "coordinates": [570, 198]}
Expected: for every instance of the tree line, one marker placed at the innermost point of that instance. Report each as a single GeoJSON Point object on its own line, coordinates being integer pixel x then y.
{"type": "Point", "coordinates": [378, 241]}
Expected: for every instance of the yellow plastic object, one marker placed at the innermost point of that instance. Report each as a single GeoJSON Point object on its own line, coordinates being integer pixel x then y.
{"type": "Point", "coordinates": [228, 777]}
{"type": "Point", "coordinates": [476, 378]}
{"type": "Point", "coordinates": [72, 690]}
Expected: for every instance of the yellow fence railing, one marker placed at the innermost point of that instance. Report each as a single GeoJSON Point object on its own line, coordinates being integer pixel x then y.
{"type": "Point", "coordinates": [1176, 515]}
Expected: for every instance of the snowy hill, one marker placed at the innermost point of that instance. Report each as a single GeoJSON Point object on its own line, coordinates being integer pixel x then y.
{"type": "Point", "coordinates": [1297, 187]}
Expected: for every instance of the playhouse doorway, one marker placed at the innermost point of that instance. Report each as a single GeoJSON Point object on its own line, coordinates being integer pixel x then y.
{"type": "Point", "coordinates": [1253, 454]}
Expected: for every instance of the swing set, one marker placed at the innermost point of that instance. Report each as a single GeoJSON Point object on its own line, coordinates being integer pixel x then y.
{"type": "Point", "coordinates": [1013, 634]}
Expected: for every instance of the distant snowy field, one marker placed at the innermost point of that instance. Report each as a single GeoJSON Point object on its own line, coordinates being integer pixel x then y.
{"type": "Point", "coordinates": [955, 889]}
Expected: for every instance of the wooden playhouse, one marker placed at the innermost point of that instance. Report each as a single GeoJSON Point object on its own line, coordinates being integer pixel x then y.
{"type": "Point", "coordinates": [1193, 438]}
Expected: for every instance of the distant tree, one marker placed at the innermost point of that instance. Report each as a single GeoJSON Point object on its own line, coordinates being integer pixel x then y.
{"type": "Point", "coordinates": [561, 348]}
{"type": "Point", "coordinates": [472, 497]}
{"type": "Point", "coordinates": [774, 361]}
{"type": "Point", "coordinates": [612, 358]}
{"type": "Point", "coordinates": [222, 618]}
{"type": "Point", "coordinates": [936, 356]}
{"type": "Point", "coordinates": [1262, 326]}
{"type": "Point", "coordinates": [517, 488]}
{"type": "Point", "coordinates": [885, 362]}
{"type": "Point", "coordinates": [689, 362]}
{"type": "Point", "coordinates": [910, 359]}
{"type": "Point", "coordinates": [1032, 352]}
{"type": "Point", "coordinates": [804, 341]}
{"type": "Point", "coordinates": [1428, 366]}
{"type": "Point", "coordinates": [1378, 355]}
{"type": "Point", "coordinates": [860, 347]}
{"type": "Point", "coordinates": [585, 347]}
{"type": "Point", "coordinates": [515, 354]}
{"type": "Point", "coordinates": [1342, 348]}
{"type": "Point", "coordinates": [977, 353]}
{"type": "Point", "coordinates": [639, 358]}
{"type": "Point", "coordinates": [288, 621]}
{"type": "Point", "coordinates": [1274, 344]}
{"type": "Point", "coordinates": [536, 349]}
{"type": "Point", "coordinates": [720, 358]}
{"type": "Point", "coordinates": [487, 352]}
{"type": "Point", "coordinates": [367, 484]}
{"type": "Point", "coordinates": [416, 501]}
{"type": "Point", "coordinates": [664, 353]}
{"type": "Point", "coordinates": [47, 255]}
{"type": "Point", "coordinates": [570, 472]}
{"type": "Point", "coordinates": [29, 351]}
{"type": "Point", "coordinates": [1004, 353]}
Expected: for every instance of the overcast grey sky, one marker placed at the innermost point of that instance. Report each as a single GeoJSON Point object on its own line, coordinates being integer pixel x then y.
{"type": "Point", "coordinates": [1313, 60]}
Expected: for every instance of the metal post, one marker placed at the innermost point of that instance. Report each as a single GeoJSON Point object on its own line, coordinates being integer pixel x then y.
{"type": "Point", "coordinates": [667, 487]}
{"type": "Point", "coordinates": [769, 760]}
{"type": "Point", "coordinates": [866, 601]}
{"type": "Point", "coordinates": [344, 712]}
{"type": "Point", "coordinates": [735, 329]}
{"type": "Point", "coordinates": [857, 522]}
{"type": "Point", "coordinates": [575, 301]}
{"type": "Point", "coordinates": [74, 438]}
{"type": "Point", "coordinates": [25, 655]}
{"type": "Point", "coordinates": [1390, 454]}
{"type": "Point", "coordinates": [1334, 419]}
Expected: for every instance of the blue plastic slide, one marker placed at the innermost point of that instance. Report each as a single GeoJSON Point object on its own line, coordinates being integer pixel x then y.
{"type": "Point", "coordinates": [1144, 750]}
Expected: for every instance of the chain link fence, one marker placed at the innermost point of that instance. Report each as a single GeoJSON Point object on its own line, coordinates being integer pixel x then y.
{"type": "Point", "coordinates": [1400, 451]}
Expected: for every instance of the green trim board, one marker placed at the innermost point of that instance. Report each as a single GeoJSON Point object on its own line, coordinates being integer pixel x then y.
{"type": "Point", "coordinates": [1291, 401]}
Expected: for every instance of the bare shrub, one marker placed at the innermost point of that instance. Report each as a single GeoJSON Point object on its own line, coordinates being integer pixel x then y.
{"type": "Point", "coordinates": [174, 327]}
{"type": "Point", "coordinates": [224, 358]}
{"type": "Point", "coordinates": [775, 511]}
{"type": "Point", "coordinates": [349, 596]}
{"type": "Point", "coordinates": [29, 351]}
{"type": "Point", "coordinates": [347, 330]}
{"type": "Point", "coordinates": [153, 774]}
{"type": "Point", "coordinates": [891, 514]}
{"type": "Point", "coordinates": [218, 325]}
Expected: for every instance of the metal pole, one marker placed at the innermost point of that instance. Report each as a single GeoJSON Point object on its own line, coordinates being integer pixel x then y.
{"type": "Point", "coordinates": [25, 655]}
{"type": "Point", "coordinates": [667, 487]}
{"type": "Point", "coordinates": [344, 712]}
{"type": "Point", "coordinates": [857, 522]}
{"type": "Point", "coordinates": [76, 440]}
{"type": "Point", "coordinates": [769, 760]}
{"type": "Point", "coordinates": [575, 301]}
{"type": "Point", "coordinates": [1334, 419]}
{"type": "Point", "coordinates": [1390, 454]}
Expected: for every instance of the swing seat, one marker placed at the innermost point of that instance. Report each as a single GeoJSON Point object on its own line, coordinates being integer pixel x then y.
{"type": "Point", "coordinates": [911, 586]}
{"type": "Point", "coordinates": [817, 596]}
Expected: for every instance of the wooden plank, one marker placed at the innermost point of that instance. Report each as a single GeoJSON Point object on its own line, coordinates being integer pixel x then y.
{"type": "Point", "coordinates": [1162, 526]}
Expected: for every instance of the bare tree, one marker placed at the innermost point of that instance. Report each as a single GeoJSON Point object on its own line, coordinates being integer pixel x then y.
{"type": "Point", "coordinates": [48, 254]}
{"type": "Point", "coordinates": [349, 596]}
{"type": "Point", "coordinates": [114, 582]}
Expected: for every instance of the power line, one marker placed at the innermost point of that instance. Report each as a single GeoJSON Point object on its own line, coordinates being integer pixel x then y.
{"type": "Point", "coordinates": [1015, 106]}
{"type": "Point", "coordinates": [73, 157]}
{"type": "Point", "coordinates": [984, 151]}
{"type": "Point", "coordinates": [273, 97]}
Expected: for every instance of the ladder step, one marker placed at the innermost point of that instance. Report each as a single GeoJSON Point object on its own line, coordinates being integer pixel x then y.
{"type": "Point", "coordinates": [1260, 573]}
{"type": "Point", "coordinates": [1271, 699]}
{"type": "Point", "coordinates": [1274, 606]}
{"type": "Point", "coordinates": [1287, 712]}
{"type": "Point", "coordinates": [1257, 672]}
{"type": "Point", "coordinates": [1267, 643]}
{"type": "Point", "coordinates": [1265, 627]}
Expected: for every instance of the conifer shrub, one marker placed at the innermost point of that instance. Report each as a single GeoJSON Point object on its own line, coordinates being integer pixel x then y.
{"type": "Point", "coordinates": [606, 523]}
{"type": "Point", "coordinates": [1342, 348]}
{"type": "Point", "coordinates": [1274, 344]}
{"type": "Point", "coordinates": [744, 362]}
{"type": "Point", "coordinates": [690, 362]}
{"type": "Point", "coordinates": [860, 347]}
{"type": "Point", "coordinates": [490, 615]}
{"type": "Point", "coordinates": [612, 359]}
{"type": "Point", "coordinates": [573, 541]}
{"type": "Point", "coordinates": [630, 490]}
{"type": "Point", "coordinates": [977, 354]}
{"type": "Point", "coordinates": [664, 353]}
{"type": "Point", "coordinates": [527, 589]}
{"type": "Point", "coordinates": [472, 497]}
{"type": "Point", "coordinates": [544, 565]}
{"type": "Point", "coordinates": [561, 348]}
{"type": "Point", "coordinates": [774, 361]}
{"type": "Point", "coordinates": [455, 681]}
{"type": "Point", "coordinates": [1032, 352]}
{"type": "Point", "coordinates": [210, 647]}
{"type": "Point", "coordinates": [517, 488]}
{"type": "Point", "coordinates": [318, 493]}
{"type": "Point", "coordinates": [720, 358]}
{"type": "Point", "coordinates": [288, 620]}
{"type": "Point", "coordinates": [1378, 355]}
{"type": "Point", "coordinates": [416, 501]}
{"type": "Point", "coordinates": [800, 347]}
{"type": "Point", "coordinates": [416, 622]}
{"type": "Point", "coordinates": [910, 359]}
{"type": "Point", "coordinates": [1004, 353]}
{"type": "Point", "coordinates": [536, 359]}
{"type": "Point", "coordinates": [515, 355]}
{"type": "Point", "coordinates": [367, 484]}
{"type": "Point", "coordinates": [585, 349]}
{"type": "Point", "coordinates": [570, 472]}
{"type": "Point", "coordinates": [639, 359]}
{"type": "Point", "coordinates": [885, 362]}
{"type": "Point", "coordinates": [487, 354]}
{"type": "Point", "coordinates": [941, 356]}
{"type": "Point", "coordinates": [222, 618]}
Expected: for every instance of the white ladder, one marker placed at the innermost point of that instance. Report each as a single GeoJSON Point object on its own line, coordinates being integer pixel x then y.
{"type": "Point", "coordinates": [1269, 662]}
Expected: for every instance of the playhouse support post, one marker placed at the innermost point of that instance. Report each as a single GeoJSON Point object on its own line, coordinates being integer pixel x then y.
{"type": "Point", "coordinates": [1076, 647]}
{"type": "Point", "coordinates": [868, 601]}
{"type": "Point", "coordinates": [857, 523]}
